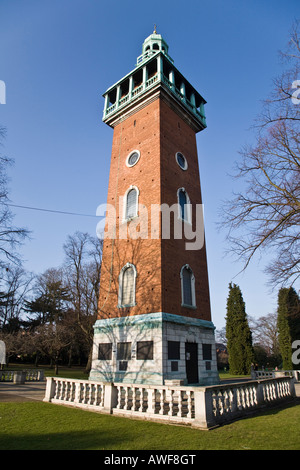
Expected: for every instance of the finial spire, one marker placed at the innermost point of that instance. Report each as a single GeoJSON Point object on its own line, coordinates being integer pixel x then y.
{"type": "Point", "coordinates": [154, 32]}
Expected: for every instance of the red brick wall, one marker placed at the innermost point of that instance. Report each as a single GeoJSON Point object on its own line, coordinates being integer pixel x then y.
{"type": "Point", "coordinates": [158, 133]}
{"type": "Point", "coordinates": [142, 132]}
{"type": "Point", "coordinates": [177, 136]}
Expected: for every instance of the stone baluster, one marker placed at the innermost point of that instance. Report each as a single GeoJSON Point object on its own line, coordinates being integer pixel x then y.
{"type": "Point", "coordinates": [90, 394]}
{"type": "Point", "coordinates": [135, 391]}
{"type": "Point", "coordinates": [180, 404]}
{"type": "Point", "coordinates": [221, 401]}
{"type": "Point", "coordinates": [60, 390]}
{"type": "Point", "coordinates": [67, 391]}
{"type": "Point", "coordinates": [84, 394]}
{"type": "Point", "coordinates": [171, 402]}
{"type": "Point", "coordinates": [126, 406]}
{"type": "Point", "coordinates": [56, 389]}
{"type": "Point", "coordinates": [77, 392]}
{"type": "Point", "coordinates": [61, 393]}
{"type": "Point", "coordinates": [161, 402]}
{"type": "Point", "coordinates": [119, 397]}
{"type": "Point", "coordinates": [72, 391]}
{"type": "Point", "coordinates": [151, 400]}
{"type": "Point", "coordinates": [189, 399]}
{"type": "Point", "coordinates": [141, 399]}
{"type": "Point", "coordinates": [98, 395]}
{"type": "Point", "coordinates": [233, 401]}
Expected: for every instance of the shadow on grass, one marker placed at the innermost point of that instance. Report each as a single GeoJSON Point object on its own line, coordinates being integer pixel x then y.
{"type": "Point", "coordinates": [73, 440]}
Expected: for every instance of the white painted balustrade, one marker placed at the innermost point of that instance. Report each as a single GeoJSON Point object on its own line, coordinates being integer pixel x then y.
{"type": "Point", "coordinates": [202, 407]}
{"type": "Point", "coordinates": [21, 376]}
{"type": "Point", "coordinates": [162, 402]}
{"type": "Point", "coordinates": [80, 393]}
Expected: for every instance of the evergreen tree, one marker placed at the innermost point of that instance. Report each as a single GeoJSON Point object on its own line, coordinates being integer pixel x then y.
{"type": "Point", "coordinates": [288, 323]}
{"type": "Point", "coordinates": [238, 333]}
{"type": "Point", "coordinates": [51, 301]}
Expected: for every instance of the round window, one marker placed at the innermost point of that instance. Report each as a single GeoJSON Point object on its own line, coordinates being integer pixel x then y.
{"type": "Point", "coordinates": [181, 160]}
{"type": "Point", "coordinates": [133, 158]}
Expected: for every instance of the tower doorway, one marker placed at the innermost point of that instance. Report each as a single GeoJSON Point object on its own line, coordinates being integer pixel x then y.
{"type": "Point", "coordinates": [191, 362]}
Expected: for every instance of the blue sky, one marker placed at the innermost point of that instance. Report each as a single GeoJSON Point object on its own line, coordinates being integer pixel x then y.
{"type": "Point", "coordinates": [57, 58]}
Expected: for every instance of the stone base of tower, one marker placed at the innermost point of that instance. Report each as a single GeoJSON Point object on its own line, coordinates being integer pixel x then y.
{"type": "Point", "coordinates": [154, 349]}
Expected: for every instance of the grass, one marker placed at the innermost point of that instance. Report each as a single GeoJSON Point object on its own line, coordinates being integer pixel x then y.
{"type": "Point", "coordinates": [77, 372]}
{"type": "Point", "coordinates": [45, 426]}
{"type": "Point", "coordinates": [74, 372]}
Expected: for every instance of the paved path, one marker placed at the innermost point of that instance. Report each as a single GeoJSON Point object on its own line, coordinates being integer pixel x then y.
{"type": "Point", "coordinates": [30, 391]}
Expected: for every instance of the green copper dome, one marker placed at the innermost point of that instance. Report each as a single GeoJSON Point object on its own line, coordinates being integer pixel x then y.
{"type": "Point", "coordinates": [153, 44]}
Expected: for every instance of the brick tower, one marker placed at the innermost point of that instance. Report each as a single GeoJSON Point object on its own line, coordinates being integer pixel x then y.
{"type": "Point", "coordinates": [154, 322]}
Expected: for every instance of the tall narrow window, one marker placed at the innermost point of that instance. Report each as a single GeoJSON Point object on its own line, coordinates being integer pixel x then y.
{"type": "Point", "coordinates": [127, 286]}
{"type": "Point", "coordinates": [187, 287]}
{"type": "Point", "coordinates": [184, 205]}
{"type": "Point", "coordinates": [182, 202]}
{"type": "Point", "coordinates": [131, 203]}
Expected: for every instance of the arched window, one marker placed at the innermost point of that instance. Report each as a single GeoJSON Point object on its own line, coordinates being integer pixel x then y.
{"type": "Point", "coordinates": [188, 298]}
{"type": "Point", "coordinates": [184, 205]}
{"type": "Point", "coordinates": [131, 203]}
{"type": "Point", "coordinates": [127, 280]}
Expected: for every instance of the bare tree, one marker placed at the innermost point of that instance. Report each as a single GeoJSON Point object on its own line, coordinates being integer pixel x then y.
{"type": "Point", "coordinates": [265, 215]}
{"type": "Point", "coordinates": [82, 268]}
{"type": "Point", "coordinates": [265, 333]}
{"type": "Point", "coordinates": [11, 237]}
{"type": "Point", "coordinates": [51, 340]}
{"type": "Point", "coordinates": [15, 286]}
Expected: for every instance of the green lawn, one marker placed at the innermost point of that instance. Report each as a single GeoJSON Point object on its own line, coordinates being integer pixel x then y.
{"type": "Point", "coordinates": [37, 425]}
{"type": "Point", "coordinates": [45, 426]}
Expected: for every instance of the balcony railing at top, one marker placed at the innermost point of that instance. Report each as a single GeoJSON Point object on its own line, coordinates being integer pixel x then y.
{"type": "Point", "coordinates": [149, 54]}
{"type": "Point", "coordinates": [146, 86]}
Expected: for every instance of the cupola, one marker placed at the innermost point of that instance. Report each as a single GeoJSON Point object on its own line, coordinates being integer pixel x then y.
{"type": "Point", "coordinates": [153, 44]}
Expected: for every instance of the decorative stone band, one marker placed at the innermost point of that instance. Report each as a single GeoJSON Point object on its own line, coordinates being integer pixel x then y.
{"type": "Point", "coordinates": [150, 320]}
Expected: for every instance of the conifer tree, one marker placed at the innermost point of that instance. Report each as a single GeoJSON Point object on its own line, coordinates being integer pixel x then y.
{"type": "Point", "coordinates": [238, 333]}
{"type": "Point", "coordinates": [288, 323]}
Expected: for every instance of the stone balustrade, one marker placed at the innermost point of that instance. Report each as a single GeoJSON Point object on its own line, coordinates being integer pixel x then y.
{"type": "Point", "coordinates": [202, 407]}
{"type": "Point", "coordinates": [21, 376]}
{"type": "Point", "coordinates": [264, 374]}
